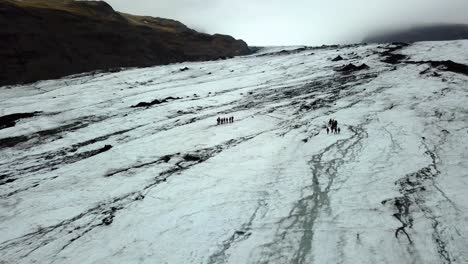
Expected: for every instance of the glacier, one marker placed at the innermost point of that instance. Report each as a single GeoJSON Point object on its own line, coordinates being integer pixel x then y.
{"type": "Point", "coordinates": [91, 176]}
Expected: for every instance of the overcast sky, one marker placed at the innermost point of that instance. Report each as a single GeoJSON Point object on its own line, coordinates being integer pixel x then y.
{"type": "Point", "coordinates": [308, 22]}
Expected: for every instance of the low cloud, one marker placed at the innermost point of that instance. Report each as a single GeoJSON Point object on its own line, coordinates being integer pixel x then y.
{"type": "Point", "coordinates": [309, 22]}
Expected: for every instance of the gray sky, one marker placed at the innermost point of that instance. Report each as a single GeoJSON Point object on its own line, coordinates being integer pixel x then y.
{"type": "Point", "coordinates": [308, 22]}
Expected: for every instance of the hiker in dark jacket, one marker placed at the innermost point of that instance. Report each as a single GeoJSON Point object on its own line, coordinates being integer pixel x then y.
{"type": "Point", "coordinates": [219, 120]}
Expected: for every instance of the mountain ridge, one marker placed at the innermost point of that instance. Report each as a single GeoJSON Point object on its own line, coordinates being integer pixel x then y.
{"type": "Point", "coordinates": [435, 32]}
{"type": "Point", "coordinates": [47, 40]}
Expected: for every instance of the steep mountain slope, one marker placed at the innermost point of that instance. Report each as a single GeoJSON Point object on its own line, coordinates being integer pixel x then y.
{"type": "Point", "coordinates": [130, 167]}
{"type": "Point", "coordinates": [50, 39]}
{"type": "Point", "coordinates": [421, 33]}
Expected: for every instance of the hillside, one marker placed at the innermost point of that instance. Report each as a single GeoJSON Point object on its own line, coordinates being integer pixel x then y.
{"type": "Point", "coordinates": [131, 166]}
{"type": "Point", "coordinates": [421, 33]}
{"type": "Point", "coordinates": [54, 38]}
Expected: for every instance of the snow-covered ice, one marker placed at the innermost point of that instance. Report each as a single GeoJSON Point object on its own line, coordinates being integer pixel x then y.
{"type": "Point", "coordinates": [272, 187]}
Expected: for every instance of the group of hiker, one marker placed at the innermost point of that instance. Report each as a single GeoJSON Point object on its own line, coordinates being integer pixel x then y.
{"type": "Point", "coordinates": [333, 126]}
{"type": "Point", "coordinates": [225, 120]}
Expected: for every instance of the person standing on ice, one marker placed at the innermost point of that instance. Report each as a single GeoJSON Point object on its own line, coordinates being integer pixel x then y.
{"type": "Point", "coordinates": [333, 126]}
{"type": "Point", "coordinates": [219, 120]}
{"type": "Point", "coordinates": [328, 130]}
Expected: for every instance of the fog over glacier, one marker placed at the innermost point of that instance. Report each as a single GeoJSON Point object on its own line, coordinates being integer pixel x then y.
{"type": "Point", "coordinates": [277, 22]}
